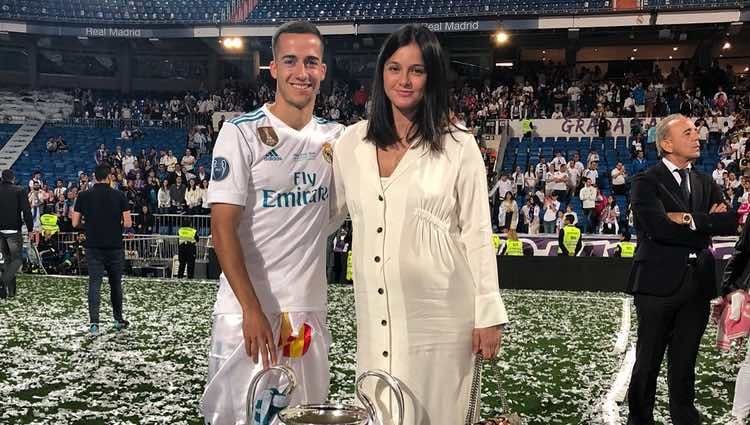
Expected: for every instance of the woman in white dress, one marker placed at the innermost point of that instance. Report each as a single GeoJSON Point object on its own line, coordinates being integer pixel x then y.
{"type": "Point", "coordinates": [425, 275]}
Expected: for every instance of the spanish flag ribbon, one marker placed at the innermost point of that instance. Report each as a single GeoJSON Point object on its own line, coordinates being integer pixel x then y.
{"type": "Point", "coordinates": [294, 346]}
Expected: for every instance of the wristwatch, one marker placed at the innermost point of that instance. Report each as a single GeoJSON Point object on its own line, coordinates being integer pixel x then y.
{"type": "Point", "coordinates": [687, 219]}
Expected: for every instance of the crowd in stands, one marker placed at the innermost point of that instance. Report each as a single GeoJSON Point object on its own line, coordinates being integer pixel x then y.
{"type": "Point", "coordinates": [153, 182]}
{"type": "Point", "coordinates": [557, 92]}
{"type": "Point", "coordinates": [162, 182]}
{"type": "Point", "coordinates": [549, 189]}
{"type": "Point", "coordinates": [341, 103]}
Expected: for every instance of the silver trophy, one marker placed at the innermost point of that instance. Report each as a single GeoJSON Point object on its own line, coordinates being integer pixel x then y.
{"type": "Point", "coordinates": [322, 414]}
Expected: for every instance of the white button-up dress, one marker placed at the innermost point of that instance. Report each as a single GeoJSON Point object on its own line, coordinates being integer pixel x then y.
{"type": "Point", "coordinates": [424, 270]}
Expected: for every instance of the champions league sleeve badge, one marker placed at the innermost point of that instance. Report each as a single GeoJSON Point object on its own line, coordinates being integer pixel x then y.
{"type": "Point", "coordinates": [328, 152]}
{"type": "Point", "coordinates": [219, 169]}
{"type": "Point", "coordinates": [268, 136]}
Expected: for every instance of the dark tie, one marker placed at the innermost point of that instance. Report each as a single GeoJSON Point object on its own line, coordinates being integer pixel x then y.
{"type": "Point", "coordinates": [684, 175]}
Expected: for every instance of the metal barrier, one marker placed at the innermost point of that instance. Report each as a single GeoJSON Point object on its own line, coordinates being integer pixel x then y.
{"type": "Point", "coordinates": [156, 251]}
{"type": "Point", "coordinates": [167, 224]}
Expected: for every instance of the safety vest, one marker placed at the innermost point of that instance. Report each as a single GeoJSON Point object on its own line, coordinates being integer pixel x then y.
{"type": "Point", "coordinates": [49, 223]}
{"type": "Point", "coordinates": [514, 248]}
{"type": "Point", "coordinates": [525, 126]}
{"type": "Point", "coordinates": [187, 234]}
{"type": "Point", "coordinates": [496, 241]}
{"type": "Point", "coordinates": [571, 236]}
{"type": "Point", "coordinates": [627, 249]}
{"type": "Point", "coordinates": [349, 268]}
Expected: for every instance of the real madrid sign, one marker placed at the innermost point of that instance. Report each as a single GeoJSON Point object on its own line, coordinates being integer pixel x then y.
{"type": "Point", "coordinates": [436, 26]}
{"type": "Point", "coordinates": [112, 32]}
{"type": "Point", "coordinates": [452, 26]}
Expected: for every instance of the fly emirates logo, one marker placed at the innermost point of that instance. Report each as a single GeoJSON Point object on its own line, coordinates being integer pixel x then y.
{"type": "Point", "coordinates": [300, 197]}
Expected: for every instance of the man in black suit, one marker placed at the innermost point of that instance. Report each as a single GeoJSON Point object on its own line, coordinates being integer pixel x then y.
{"type": "Point", "coordinates": [677, 211]}
{"type": "Point", "coordinates": [15, 212]}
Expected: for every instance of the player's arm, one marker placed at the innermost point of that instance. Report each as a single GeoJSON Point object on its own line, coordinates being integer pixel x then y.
{"type": "Point", "coordinates": [227, 196]}
{"type": "Point", "coordinates": [225, 219]}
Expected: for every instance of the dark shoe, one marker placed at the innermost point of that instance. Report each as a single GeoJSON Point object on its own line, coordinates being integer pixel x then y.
{"type": "Point", "coordinates": [121, 325]}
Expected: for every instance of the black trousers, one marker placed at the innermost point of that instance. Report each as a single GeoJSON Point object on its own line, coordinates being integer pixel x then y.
{"type": "Point", "coordinates": [339, 267]}
{"type": "Point", "coordinates": [11, 246]}
{"type": "Point", "coordinates": [674, 324]}
{"type": "Point", "coordinates": [186, 256]}
{"type": "Point", "coordinates": [101, 261]}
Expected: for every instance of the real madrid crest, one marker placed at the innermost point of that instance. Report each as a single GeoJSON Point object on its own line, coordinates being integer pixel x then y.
{"type": "Point", "coordinates": [268, 136]}
{"type": "Point", "coordinates": [328, 152]}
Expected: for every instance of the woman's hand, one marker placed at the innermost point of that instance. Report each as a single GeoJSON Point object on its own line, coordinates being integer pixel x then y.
{"type": "Point", "coordinates": [486, 341]}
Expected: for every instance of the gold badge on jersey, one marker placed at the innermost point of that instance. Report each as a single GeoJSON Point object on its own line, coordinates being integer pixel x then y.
{"type": "Point", "coordinates": [268, 136]}
{"type": "Point", "coordinates": [328, 152]}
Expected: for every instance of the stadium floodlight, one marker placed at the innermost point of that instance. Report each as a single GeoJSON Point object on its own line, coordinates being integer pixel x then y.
{"type": "Point", "coordinates": [635, 49]}
{"type": "Point", "coordinates": [727, 45]}
{"type": "Point", "coordinates": [670, 58]}
{"type": "Point", "coordinates": [504, 64]}
{"type": "Point", "coordinates": [502, 37]}
{"type": "Point", "coordinates": [231, 43]}
{"type": "Point", "coordinates": [747, 69]}
{"type": "Point", "coordinates": [675, 48]}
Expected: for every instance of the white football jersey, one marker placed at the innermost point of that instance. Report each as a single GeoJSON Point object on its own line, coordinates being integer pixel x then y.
{"type": "Point", "coordinates": [283, 179]}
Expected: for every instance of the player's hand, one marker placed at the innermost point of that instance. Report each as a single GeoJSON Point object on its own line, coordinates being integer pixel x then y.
{"type": "Point", "coordinates": [718, 208]}
{"type": "Point", "coordinates": [258, 337]}
{"type": "Point", "coordinates": [486, 341]}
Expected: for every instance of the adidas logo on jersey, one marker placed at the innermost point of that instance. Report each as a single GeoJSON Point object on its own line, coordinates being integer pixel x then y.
{"type": "Point", "coordinates": [272, 156]}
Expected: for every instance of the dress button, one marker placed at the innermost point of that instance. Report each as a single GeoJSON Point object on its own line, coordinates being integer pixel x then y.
{"type": "Point", "coordinates": [385, 354]}
{"type": "Point", "coordinates": [383, 322]}
{"type": "Point", "coordinates": [380, 230]}
{"type": "Point", "coordinates": [380, 291]}
{"type": "Point", "coordinates": [380, 197]}
{"type": "Point", "coordinates": [377, 259]}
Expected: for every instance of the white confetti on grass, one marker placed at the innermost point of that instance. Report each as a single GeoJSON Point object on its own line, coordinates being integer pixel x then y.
{"type": "Point", "coordinates": [557, 358]}
{"type": "Point", "coordinates": [716, 372]}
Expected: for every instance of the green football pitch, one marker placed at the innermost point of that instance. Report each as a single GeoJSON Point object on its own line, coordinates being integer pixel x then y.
{"type": "Point", "coordinates": [557, 365]}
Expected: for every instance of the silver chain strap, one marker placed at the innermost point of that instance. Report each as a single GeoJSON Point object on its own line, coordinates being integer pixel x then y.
{"type": "Point", "coordinates": [472, 416]}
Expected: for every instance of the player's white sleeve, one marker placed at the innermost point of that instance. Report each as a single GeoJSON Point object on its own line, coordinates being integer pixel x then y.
{"type": "Point", "coordinates": [230, 168]}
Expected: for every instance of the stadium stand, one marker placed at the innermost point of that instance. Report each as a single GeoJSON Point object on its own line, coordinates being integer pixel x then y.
{"type": "Point", "coordinates": [113, 11]}
{"type": "Point", "coordinates": [271, 11]}
{"type": "Point", "coordinates": [6, 131]}
{"type": "Point", "coordinates": [83, 143]}
{"type": "Point", "coordinates": [47, 105]}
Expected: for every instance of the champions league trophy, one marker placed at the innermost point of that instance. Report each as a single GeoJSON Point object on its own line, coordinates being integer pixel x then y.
{"type": "Point", "coordinates": [327, 414]}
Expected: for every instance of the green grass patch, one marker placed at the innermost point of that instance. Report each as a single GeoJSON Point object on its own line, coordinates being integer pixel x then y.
{"type": "Point", "coordinates": [557, 360]}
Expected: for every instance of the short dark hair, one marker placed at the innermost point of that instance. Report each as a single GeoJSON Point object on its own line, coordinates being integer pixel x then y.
{"type": "Point", "coordinates": [101, 172]}
{"type": "Point", "coordinates": [569, 218]}
{"type": "Point", "coordinates": [432, 119]}
{"type": "Point", "coordinates": [8, 176]}
{"type": "Point", "coordinates": [295, 27]}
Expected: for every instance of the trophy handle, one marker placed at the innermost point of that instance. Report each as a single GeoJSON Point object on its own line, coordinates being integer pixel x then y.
{"type": "Point", "coordinates": [391, 382]}
{"type": "Point", "coordinates": [253, 388]}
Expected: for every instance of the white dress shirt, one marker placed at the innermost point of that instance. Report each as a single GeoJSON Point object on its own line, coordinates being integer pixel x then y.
{"type": "Point", "coordinates": [673, 171]}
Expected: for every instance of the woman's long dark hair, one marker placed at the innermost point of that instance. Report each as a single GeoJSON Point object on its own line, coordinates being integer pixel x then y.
{"type": "Point", "coordinates": [432, 118]}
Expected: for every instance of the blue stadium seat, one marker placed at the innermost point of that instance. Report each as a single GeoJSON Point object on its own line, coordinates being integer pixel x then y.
{"type": "Point", "coordinates": [83, 142]}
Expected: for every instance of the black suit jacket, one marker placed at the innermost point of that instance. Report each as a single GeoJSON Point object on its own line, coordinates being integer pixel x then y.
{"type": "Point", "coordinates": [664, 247]}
